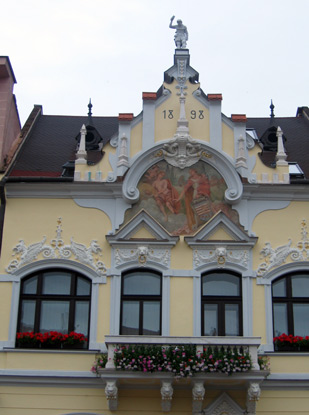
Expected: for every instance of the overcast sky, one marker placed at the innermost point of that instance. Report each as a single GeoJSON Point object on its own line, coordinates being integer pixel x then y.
{"type": "Point", "coordinates": [64, 52]}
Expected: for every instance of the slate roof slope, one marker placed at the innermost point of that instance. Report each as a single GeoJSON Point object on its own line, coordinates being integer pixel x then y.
{"type": "Point", "coordinates": [296, 132]}
{"type": "Point", "coordinates": [52, 142]}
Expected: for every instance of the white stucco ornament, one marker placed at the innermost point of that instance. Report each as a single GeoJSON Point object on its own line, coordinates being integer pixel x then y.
{"type": "Point", "coordinates": [276, 257]}
{"type": "Point", "coordinates": [57, 250]}
{"type": "Point", "coordinates": [142, 255]}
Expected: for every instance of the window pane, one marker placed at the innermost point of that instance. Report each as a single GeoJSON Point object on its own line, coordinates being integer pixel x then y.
{"type": "Point", "coordinates": [210, 320]}
{"type": "Point", "coordinates": [83, 286]}
{"type": "Point", "coordinates": [151, 317]}
{"type": "Point", "coordinates": [231, 320]}
{"type": "Point", "coordinates": [81, 317]}
{"type": "Point", "coordinates": [279, 288]}
{"type": "Point", "coordinates": [142, 284]}
{"type": "Point", "coordinates": [27, 315]}
{"type": "Point", "coordinates": [54, 316]}
{"type": "Point", "coordinates": [301, 321]}
{"type": "Point", "coordinates": [221, 284]}
{"type": "Point", "coordinates": [130, 317]}
{"type": "Point", "coordinates": [300, 286]}
{"type": "Point", "coordinates": [280, 319]}
{"type": "Point", "coordinates": [56, 283]}
{"type": "Point", "coordinates": [30, 285]}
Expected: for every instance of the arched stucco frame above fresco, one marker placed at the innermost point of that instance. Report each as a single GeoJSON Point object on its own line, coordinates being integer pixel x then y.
{"type": "Point", "coordinates": [222, 163]}
{"type": "Point", "coordinates": [46, 264]}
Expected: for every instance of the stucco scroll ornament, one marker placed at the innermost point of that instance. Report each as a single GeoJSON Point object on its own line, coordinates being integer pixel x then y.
{"type": "Point", "coordinates": [111, 393]}
{"type": "Point", "coordinates": [142, 255]}
{"type": "Point", "coordinates": [167, 395]}
{"type": "Point", "coordinates": [26, 254]}
{"type": "Point", "coordinates": [276, 257]}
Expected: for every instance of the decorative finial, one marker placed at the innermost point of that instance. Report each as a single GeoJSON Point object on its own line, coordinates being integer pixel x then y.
{"type": "Point", "coordinates": [181, 35]}
{"type": "Point", "coordinates": [90, 107]}
{"type": "Point", "coordinates": [272, 107]}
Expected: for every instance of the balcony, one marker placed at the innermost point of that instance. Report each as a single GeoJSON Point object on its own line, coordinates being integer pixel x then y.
{"type": "Point", "coordinates": [199, 382]}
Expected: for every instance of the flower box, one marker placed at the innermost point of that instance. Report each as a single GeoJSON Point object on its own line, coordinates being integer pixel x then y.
{"type": "Point", "coordinates": [51, 340]}
{"type": "Point", "coordinates": [290, 343]}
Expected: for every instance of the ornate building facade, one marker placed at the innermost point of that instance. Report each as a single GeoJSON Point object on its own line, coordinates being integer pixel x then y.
{"type": "Point", "coordinates": [170, 248]}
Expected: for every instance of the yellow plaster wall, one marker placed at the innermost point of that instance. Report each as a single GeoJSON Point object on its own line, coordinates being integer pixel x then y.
{"type": "Point", "coordinates": [283, 402]}
{"type": "Point", "coordinates": [181, 307]}
{"type": "Point", "coordinates": [32, 219]}
{"type": "Point", "coordinates": [58, 401]}
{"type": "Point", "coordinates": [182, 256]}
{"type": "Point", "coordinates": [228, 140]}
{"type": "Point", "coordinates": [165, 127]}
{"type": "Point", "coordinates": [51, 401]}
{"type": "Point", "coordinates": [136, 139]}
{"type": "Point", "coordinates": [277, 227]}
{"type": "Point", "coordinates": [289, 363]}
{"type": "Point", "coordinates": [47, 360]}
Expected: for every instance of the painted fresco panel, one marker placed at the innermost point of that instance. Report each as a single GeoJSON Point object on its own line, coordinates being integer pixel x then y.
{"type": "Point", "coordinates": [182, 200]}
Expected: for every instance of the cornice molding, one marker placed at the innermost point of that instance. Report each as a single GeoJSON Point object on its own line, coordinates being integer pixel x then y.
{"type": "Point", "coordinates": [62, 190]}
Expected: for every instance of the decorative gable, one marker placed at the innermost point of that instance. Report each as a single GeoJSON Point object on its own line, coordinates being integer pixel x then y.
{"type": "Point", "coordinates": [142, 241]}
{"type": "Point", "coordinates": [224, 405]}
{"type": "Point", "coordinates": [221, 242]}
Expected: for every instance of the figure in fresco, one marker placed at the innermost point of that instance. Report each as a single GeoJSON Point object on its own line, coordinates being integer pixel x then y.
{"type": "Point", "coordinates": [165, 194]}
{"type": "Point", "coordinates": [196, 193]}
{"type": "Point", "coordinates": [181, 35]}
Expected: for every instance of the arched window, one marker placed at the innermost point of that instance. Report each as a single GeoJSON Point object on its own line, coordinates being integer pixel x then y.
{"type": "Point", "coordinates": [290, 295]}
{"type": "Point", "coordinates": [55, 300]}
{"type": "Point", "coordinates": [141, 303]}
{"type": "Point", "coordinates": [221, 304]}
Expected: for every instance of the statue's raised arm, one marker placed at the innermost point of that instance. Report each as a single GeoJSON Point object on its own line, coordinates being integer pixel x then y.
{"type": "Point", "coordinates": [181, 35]}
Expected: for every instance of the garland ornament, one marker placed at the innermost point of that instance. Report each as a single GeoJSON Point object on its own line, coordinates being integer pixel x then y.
{"type": "Point", "coordinates": [57, 250]}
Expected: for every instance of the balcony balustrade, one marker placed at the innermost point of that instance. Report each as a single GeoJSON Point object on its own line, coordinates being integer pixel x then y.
{"type": "Point", "coordinates": [165, 381]}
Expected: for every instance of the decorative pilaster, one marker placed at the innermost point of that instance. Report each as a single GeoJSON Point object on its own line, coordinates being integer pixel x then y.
{"type": "Point", "coordinates": [82, 153]}
{"type": "Point", "coordinates": [253, 395]}
{"type": "Point", "coordinates": [123, 159]}
{"type": "Point", "coordinates": [111, 393]}
{"type": "Point", "coordinates": [198, 393]}
{"type": "Point", "coordinates": [241, 156]}
{"type": "Point", "coordinates": [281, 154]}
{"type": "Point", "coordinates": [167, 395]}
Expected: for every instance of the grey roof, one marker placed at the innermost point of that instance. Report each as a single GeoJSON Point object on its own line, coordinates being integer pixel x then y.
{"type": "Point", "coordinates": [296, 132]}
{"type": "Point", "coordinates": [52, 142]}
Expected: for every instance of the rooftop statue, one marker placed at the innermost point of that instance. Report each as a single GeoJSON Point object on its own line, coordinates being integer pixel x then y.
{"type": "Point", "coordinates": [181, 35]}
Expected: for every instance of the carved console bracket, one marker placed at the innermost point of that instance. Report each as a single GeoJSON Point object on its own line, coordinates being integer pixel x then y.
{"type": "Point", "coordinates": [253, 395]}
{"type": "Point", "coordinates": [167, 395]}
{"type": "Point", "coordinates": [198, 393]}
{"type": "Point", "coordinates": [111, 393]}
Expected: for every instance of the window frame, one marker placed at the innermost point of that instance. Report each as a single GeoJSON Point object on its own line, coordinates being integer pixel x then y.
{"type": "Point", "coordinates": [39, 297]}
{"type": "Point", "coordinates": [222, 301]}
{"type": "Point", "coordinates": [288, 299]}
{"type": "Point", "coordinates": [141, 298]}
